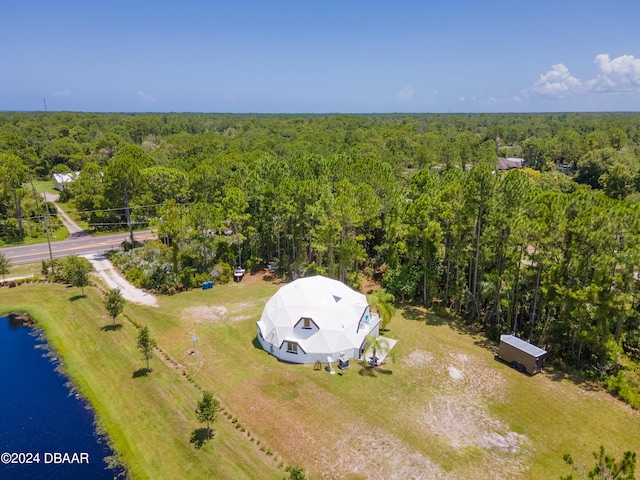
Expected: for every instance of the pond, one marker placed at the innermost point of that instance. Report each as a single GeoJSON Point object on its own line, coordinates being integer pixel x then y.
{"type": "Point", "coordinates": [48, 430]}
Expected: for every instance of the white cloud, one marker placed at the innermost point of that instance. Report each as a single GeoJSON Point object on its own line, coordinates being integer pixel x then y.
{"type": "Point", "coordinates": [406, 92]}
{"type": "Point", "coordinates": [146, 97]}
{"type": "Point", "coordinates": [622, 74]}
{"type": "Point", "coordinates": [61, 93]}
{"type": "Point", "coordinates": [557, 82]}
{"type": "Point", "coordinates": [461, 99]}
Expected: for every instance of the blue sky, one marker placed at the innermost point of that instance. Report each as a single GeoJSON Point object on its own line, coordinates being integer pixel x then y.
{"type": "Point", "coordinates": [320, 57]}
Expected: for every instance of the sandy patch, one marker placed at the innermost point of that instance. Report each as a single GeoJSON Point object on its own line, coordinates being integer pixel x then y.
{"type": "Point", "coordinates": [460, 416]}
{"type": "Point", "coordinates": [384, 457]}
{"type": "Point", "coordinates": [360, 449]}
{"type": "Point", "coordinates": [455, 373]}
{"type": "Point", "coordinates": [418, 359]}
{"type": "Point", "coordinates": [219, 313]}
{"type": "Point", "coordinates": [205, 314]}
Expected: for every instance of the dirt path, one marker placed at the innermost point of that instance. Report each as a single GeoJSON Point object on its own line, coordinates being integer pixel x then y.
{"type": "Point", "coordinates": [113, 279]}
{"type": "Point", "coordinates": [73, 228]}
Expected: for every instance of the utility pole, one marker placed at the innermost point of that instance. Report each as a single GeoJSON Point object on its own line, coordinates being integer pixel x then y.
{"type": "Point", "coordinates": [45, 104]}
{"type": "Point", "coordinates": [128, 215]}
{"type": "Point", "coordinates": [46, 225]}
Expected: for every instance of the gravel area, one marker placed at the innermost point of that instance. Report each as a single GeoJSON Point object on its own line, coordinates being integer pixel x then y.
{"type": "Point", "coordinates": [113, 279]}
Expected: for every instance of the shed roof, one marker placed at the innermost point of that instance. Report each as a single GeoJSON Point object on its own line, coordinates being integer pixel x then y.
{"type": "Point", "coordinates": [520, 344]}
{"type": "Point", "coordinates": [65, 177]}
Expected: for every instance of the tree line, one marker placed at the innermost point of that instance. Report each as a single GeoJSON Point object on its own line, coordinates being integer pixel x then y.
{"type": "Point", "coordinates": [549, 251]}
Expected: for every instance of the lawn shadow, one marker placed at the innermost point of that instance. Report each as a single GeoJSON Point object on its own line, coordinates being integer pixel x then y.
{"type": "Point", "coordinates": [421, 314]}
{"type": "Point", "coordinates": [368, 370]}
{"type": "Point", "coordinates": [485, 343]}
{"type": "Point", "coordinates": [111, 327]}
{"type": "Point", "coordinates": [77, 297]}
{"type": "Point", "coordinates": [141, 372]}
{"type": "Point", "coordinates": [441, 317]}
{"type": "Point", "coordinates": [200, 435]}
{"type": "Point", "coordinates": [256, 344]}
{"type": "Point", "coordinates": [557, 374]}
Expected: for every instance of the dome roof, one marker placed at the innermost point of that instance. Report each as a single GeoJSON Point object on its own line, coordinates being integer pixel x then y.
{"type": "Point", "coordinates": [322, 316]}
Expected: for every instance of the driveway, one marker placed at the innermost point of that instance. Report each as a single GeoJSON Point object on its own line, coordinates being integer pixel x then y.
{"type": "Point", "coordinates": [74, 229]}
{"type": "Point", "coordinates": [113, 279]}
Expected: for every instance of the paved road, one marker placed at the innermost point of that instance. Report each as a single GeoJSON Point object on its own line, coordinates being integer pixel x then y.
{"type": "Point", "coordinates": [72, 246]}
{"type": "Point", "coordinates": [78, 243]}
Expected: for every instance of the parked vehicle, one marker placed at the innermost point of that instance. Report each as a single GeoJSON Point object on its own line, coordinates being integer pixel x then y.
{"type": "Point", "coordinates": [521, 355]}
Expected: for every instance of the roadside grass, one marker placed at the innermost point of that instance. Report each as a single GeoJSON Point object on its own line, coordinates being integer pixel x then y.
{"type": "Point", "coordinates": [56, 235]}
{"type": "Point", "coordinates": [149, 419]}
{"type": "Point", "coordinates": [440, 407]}
{"type": "Point", "coordinates": [25, 269]}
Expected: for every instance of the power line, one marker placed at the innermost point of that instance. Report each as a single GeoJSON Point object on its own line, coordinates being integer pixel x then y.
{"type": "Point", "coordinates": [136, 207]}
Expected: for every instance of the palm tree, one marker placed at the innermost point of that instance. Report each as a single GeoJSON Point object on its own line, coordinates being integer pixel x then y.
{"type": "Point", "coordinates": [382, 302]}
{"type": "Point", "coordinates": [375, 344]}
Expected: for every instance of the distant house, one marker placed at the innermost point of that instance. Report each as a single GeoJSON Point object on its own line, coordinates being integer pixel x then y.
{"type": "Point", "coordinates": [62, 180]}
{"type": "Point", "coordinates": [503, 164]}
{"type": "Point", "coordinates": [509, 163]}
{"type": "Point", "coordinates": [313, 318]}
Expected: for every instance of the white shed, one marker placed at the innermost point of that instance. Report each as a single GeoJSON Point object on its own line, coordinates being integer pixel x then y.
{"type": "Point", "coordinates": [62, 180]}
{"type": "Point", "coordinates": [313, 318]}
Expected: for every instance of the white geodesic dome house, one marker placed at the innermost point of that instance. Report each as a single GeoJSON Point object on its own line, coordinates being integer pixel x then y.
{"type": "Point", "coordinates": [313, 318]}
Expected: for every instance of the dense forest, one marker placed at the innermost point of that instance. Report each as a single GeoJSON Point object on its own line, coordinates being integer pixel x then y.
{"type": "Point", "coordinates": [550, 251]}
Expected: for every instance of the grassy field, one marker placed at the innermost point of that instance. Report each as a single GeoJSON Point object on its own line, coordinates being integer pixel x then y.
{"type": "Point", "coordinates": [25, 269]}
{"type": "Point", "coordinates": [440, 407]}
{"type": "Point", "coordinates": [44, 186]}
{"type": "Point", "coordinates": [150, 419]}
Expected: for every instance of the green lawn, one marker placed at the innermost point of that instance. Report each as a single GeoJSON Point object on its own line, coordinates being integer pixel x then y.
{"type": "Point", "coordinates": [44, 186]}
{"type": "Point", "coordinates": [440, 407]}
{"type": "Point", "coordinates": [149, 419]}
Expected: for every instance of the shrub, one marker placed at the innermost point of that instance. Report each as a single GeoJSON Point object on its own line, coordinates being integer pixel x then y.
{"type": "Point", "coordinates": [201, 277]}
{"type": "Point", "coordinates": [403, 281]}
{"type": "Point", "coordinates": [222, 272]}
{"type": "Point", "coordinates": [187, 278]}
{"type": "Point", "coordinates": [64, 269]}
{"type": "Point", "coordinates": [618, 385]}
{"type": "Point", "coordinates": [354, 281]}
{"type": "Point", "coordinates": [135, 276]}
{"type": "Point", "coordinates": [254, 264]}
{"type": "Point", "coordinates": [295, 472]}
{"type": "Point", "coordinates": [303, 269]}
